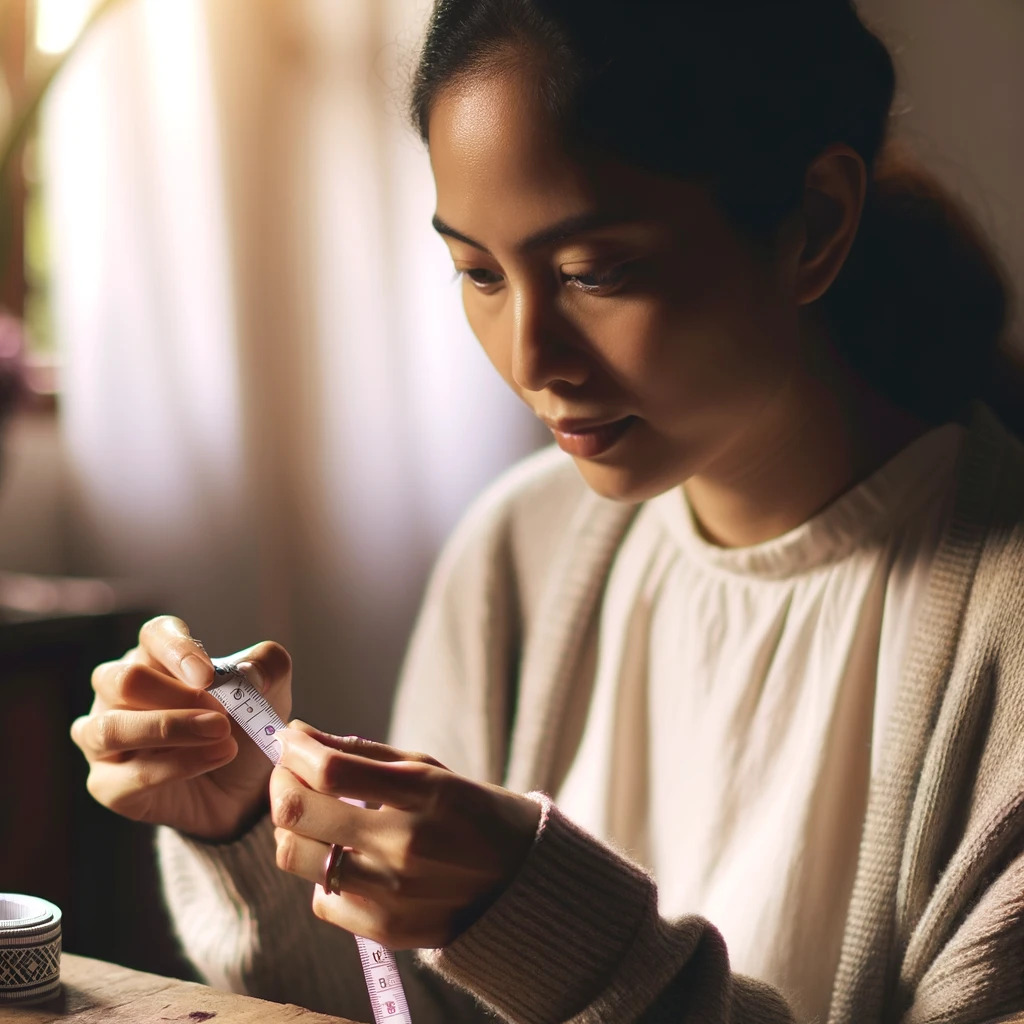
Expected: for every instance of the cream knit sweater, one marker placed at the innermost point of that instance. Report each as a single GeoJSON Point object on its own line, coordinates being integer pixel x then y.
{"type": "Point", "coordinates": [935, 930]}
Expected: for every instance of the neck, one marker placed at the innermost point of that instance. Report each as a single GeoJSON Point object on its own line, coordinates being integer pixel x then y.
{"type": "Point", "coordinates": [804, 451]}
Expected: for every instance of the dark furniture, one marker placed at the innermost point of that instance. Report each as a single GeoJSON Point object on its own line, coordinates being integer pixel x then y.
{"type": "Point", "coordinates": [55, 840]}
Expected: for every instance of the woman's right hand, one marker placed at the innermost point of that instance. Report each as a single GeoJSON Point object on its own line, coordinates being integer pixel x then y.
{"type": "Point", "coordinates": [162, 750]}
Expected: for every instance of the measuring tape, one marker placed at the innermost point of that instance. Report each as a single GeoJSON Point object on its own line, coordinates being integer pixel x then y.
{"type": "Point", "coordinates": [29, 949]}
{"type": "Point", "coordinates": [261, 723]}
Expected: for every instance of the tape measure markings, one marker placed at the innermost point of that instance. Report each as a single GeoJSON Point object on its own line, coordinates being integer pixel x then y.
{"type": "Point", "coordinates": [260, 722]}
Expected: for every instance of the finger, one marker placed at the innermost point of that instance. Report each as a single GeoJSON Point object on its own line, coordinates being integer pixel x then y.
{"type": "Point", "coordinates": [363, 747]}
{"type": "Point", "coordinates": [363, 874]}
{"type": "Point", "coordinates": [112, 734]}
{"type": "Point", "coordinates": [307, 858]}
{"type": "Point", "coordinates": [272, 663]}
{"type": "Point", "coordinates": [124, 785]}
{"type": "Point", "coordinates": [420, 926]}
{"type": "Point", "coordinates": [407, 785]}
{"type": "Point", "coordinates": [294, 806]}
{"type": "Point", "coordinates": [168, 641]}
{"type": "Point", "coordinates": [133, 684]}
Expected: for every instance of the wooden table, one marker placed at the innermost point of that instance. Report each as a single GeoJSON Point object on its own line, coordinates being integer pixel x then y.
{"type": "Point", "coordinates": [95, 992]}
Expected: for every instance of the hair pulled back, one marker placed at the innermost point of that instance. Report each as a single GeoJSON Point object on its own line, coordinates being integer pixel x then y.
{"type": "Point", "coordinates": [743, 95]}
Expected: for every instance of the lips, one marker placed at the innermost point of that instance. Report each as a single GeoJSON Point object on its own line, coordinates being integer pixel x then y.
{"type": "Point", "coordinates": [587, 441]}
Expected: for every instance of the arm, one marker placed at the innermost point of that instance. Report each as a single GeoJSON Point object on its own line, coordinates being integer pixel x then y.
{"type": "Point", "coordinates": [577, 937]}
{"type": "Point", "coordinates": [512, 902]}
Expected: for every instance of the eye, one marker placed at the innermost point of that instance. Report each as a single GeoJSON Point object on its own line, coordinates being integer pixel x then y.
{"type": "Point", "coordinates": [599, 282]}
{"type": "Point", "coordinates": [483, 280]}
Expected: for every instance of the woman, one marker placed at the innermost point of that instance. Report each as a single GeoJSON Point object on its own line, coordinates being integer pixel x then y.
{"type": "Point", "coordinates": [753, 651]}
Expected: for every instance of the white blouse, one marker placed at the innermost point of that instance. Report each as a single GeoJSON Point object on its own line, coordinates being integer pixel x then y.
{"type": "Point", "coordinates": [738, 697]}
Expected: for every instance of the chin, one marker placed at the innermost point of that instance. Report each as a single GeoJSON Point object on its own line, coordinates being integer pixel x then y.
{"type": "Point", "coordinates": [627, 484]}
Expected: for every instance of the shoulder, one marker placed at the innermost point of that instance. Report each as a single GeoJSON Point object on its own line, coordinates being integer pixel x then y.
{"type": "Point", "coordinates": [989, 517]}
{"type": "Point", "coordinates": [991, 493]}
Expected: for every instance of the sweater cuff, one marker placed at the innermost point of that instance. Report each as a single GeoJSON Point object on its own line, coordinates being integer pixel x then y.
{"type": "Point", "coordinates": [548, 945]}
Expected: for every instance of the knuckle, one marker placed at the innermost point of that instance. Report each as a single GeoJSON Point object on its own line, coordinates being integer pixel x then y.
{"type": "Point", "coordinates": [141, 775]}
{"type": "Point", "coordinates": [399, 884]}
{"type": "Point", "coordinates": [165, 730]}
{"type": "Point", "coordinates": [359, 745]}
{"type": "Point", "coordinates": [424, 759]}
{"type": "Point", "coordinates": [402, 863]}
{"type": "Point", "coordinates": [76, 732]}
{"type": "Point", "coordinates": [405, 857]}
{"type": "Point", "coordinates": [286, 853]}
{"type": "Point", "coordinates": [330, 772]}
{"type": "Point", "coordinates": [420, 842]}
{"type": "Point", "coordinates": [105, 731]}
{"type": "Point", "coordinates": [286, 808]}
{"type": "Point", "coordinates": [93, 788]}
{"type": "Point", "coordinates": [101, 672]}
{"type": "Point", "coordinates": [273, 659]}
{"type": "Point", "coordinates": [131, 678]}
{"type": "Point", "coordinates": [152, 627]}
{"type": "Point", "coordinates": [437, 789]}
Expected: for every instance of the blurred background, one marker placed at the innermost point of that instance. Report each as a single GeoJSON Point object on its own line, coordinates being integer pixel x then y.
{"type": "Point", "coordinates": [235, 379]}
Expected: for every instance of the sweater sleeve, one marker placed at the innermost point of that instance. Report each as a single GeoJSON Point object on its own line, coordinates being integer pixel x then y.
{"type": "Point", "coordinates": [577, 937]}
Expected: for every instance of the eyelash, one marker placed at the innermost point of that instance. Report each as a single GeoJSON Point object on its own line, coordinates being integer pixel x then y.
{"type": "Point", "coordinates": [608, 279]}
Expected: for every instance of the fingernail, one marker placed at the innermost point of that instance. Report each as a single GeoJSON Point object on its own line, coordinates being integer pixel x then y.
{"type": "Point", "coordinates": [195, 670]}
{"type": "Point", "coordinates": [210, 725]}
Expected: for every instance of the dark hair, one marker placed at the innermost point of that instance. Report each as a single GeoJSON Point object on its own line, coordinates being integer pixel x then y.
{"type": "Point", "coordinates": [744, 94]}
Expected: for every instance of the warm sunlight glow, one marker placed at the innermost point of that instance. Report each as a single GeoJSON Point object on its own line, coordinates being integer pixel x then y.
{"type": "Point", "coordinates": [58, 23]}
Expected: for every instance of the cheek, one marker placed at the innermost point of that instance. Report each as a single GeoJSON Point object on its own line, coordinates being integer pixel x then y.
{"type": "Point", "coordinates": [709, 347]}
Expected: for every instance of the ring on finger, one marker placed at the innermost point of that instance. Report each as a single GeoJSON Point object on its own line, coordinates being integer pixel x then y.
{"type": "Point", "coordinates": [332, 868]}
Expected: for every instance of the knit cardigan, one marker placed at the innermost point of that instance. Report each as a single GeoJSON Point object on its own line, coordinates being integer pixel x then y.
{"type": "Point", "coordinates": [935, 929]}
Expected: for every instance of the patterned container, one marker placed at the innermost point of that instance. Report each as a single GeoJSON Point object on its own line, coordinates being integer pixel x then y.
{"type": "Point", "coordinates": [29, 949]}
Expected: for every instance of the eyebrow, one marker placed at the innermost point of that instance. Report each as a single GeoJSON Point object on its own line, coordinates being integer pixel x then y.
{"type": "Point", "coordinates": [557, 232]}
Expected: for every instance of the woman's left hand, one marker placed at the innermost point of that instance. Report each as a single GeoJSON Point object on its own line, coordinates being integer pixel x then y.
{"type": "Point", "coordinates": [420, 869]}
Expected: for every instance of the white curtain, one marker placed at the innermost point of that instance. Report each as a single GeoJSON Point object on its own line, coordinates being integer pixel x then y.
{"type": "Point", "coordinates": [272, 406]}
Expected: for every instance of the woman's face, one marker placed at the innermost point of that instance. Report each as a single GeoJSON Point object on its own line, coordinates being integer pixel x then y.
{"type": "Point", "coordinates": [622, 307]}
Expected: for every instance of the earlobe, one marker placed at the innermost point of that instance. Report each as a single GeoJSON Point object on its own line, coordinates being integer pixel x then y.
{"type": "Point", "coordinates": [834, 190]}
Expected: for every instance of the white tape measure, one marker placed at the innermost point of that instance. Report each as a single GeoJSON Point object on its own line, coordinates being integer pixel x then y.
{"type": "Point", "coordinates": [252, 711]}
{"type": "Point", "coordinates": [29, 949]}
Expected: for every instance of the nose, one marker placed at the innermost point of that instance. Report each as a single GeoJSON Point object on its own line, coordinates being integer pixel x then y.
{"type": "Point", "coordinates": [544, 351]}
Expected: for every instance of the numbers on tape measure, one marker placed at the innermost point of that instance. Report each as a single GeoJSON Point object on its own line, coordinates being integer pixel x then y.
{"type": "Point", "coordinates": [260, 722]}
{"type": "Point", "coordinates": [248, 707]}
{"type": "Point", "coordinates": [387, 997]}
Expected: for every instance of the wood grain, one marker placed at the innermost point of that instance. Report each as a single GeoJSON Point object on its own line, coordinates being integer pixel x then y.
{"type": "Point", "coordinates": [95, 992]}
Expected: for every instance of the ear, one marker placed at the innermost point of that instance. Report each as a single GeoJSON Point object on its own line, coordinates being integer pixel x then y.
{"type": "Point", "coordinates": [834, 190]}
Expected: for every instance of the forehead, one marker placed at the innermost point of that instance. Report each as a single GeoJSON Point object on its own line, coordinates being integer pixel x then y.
{"type": "Point", "coordinates": [503, 170]}
{"type": "Point", "coordinates": [493, 144]}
